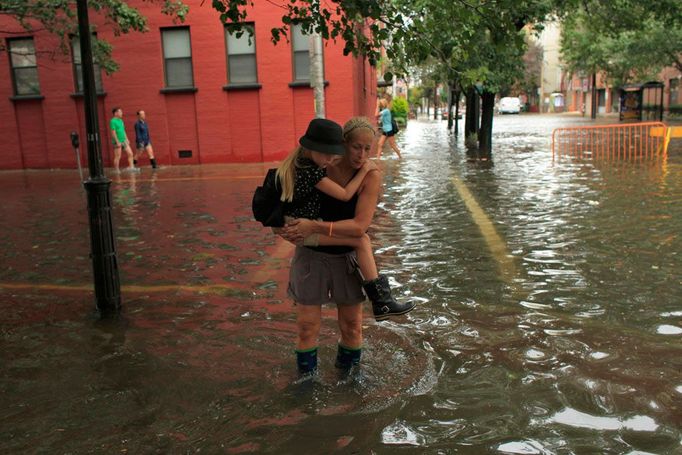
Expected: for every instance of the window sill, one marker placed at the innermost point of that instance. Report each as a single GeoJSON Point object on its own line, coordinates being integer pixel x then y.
{"type": "Point", "coordinates": [250, 86]}
{"type": "Point", "coordinates": [304, 84]}
{"type": "Point", "coordinates": [178, 90]}
{"type": "Point", "coordinates": [80, 94]}
{"type": "Point", "coordinates": [26, 97]}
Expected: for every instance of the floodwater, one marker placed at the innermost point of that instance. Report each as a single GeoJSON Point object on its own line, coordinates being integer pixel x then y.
{"type": "Point", "coordinates": [549, 317]}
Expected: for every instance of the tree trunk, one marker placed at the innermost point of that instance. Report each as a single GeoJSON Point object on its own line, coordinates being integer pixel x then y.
{"type": "Point", "coordinates": [457, 95]}
{"type": "Point", "coordinates": [485, 135]}
{"type": "Point", "coordinates": [317, 73]}
{"type": "Point", "coordinates": [593, 113]}
{"type": "Point", "coordinates": [471, 121]}
{"type": "Point", "coordinates": [435, 101]}
{"type": "Point", "coordinates": [450, 101]}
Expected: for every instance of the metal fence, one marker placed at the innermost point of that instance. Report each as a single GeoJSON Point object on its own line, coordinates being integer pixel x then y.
{"type": "Point", "coordinates": [646, 140]}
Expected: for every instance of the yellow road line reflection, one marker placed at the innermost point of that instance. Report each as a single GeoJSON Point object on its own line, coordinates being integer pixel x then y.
{"type": "Point", "coordinates": [496, 244]}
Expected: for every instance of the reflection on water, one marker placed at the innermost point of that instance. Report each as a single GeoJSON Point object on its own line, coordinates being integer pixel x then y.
{"type": "Point", "coordinates": [577, 336]}
{"type": "Point", "coordinates": [566, 340]}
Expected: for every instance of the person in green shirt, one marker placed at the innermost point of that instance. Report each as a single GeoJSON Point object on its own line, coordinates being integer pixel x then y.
{"type": "Point", "coordinates": [120, 141]}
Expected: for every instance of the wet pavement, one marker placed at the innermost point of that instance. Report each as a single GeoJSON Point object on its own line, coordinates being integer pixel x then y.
{"type": "Point", "coordinates": [549, 316]}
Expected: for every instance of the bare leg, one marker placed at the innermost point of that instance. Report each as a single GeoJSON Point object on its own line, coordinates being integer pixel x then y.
{"type": "Point", "coordinates": [363, 248]}
{"type": "Point", "coordinates": [308, 322]}
{"type": "Point", "coordinates": [366, 259]}
{"type": "Point", "coordinates": [129, 152]}
{"type": "Point", "coordinates": [394, 146]}
{"type": "Point", "coordinates": [117, 157]}
{"type": "Point", "coordinates": [150, 151]}
{"type": "Point", "coordinates": [350, 325]}
{"type": "Point", "coordinates": [380, 145]}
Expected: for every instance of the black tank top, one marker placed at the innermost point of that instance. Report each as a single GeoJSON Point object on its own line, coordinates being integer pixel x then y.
{"type": "Point", "coordinates": [335, 210]}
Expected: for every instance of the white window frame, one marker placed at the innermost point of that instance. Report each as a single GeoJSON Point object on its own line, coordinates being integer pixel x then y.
{"type": "Point", "coordinates": [23, 63]}
{"type": "Point", "coordinates": [167, 59]}
{"type": "Point", "coordinates": [239, 49]}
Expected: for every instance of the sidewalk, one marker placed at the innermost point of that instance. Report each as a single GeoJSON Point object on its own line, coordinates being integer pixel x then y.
{"type": "Point", "coordinates": [180, 231]}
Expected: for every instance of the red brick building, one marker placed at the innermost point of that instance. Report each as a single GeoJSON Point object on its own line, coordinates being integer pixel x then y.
{"type": "Point", "coordinates": [209, 96]}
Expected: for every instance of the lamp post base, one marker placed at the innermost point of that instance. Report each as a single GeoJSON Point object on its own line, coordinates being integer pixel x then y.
{"type": "Point", "coordinates": [102, 247]}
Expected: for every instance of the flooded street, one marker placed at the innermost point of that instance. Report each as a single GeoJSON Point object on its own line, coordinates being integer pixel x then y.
{"type": "Point", "coordinates": [549, 316]}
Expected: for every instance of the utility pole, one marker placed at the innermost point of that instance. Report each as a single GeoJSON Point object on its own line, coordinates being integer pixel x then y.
{"type": "Point", "coordinates": [317, 73]}
{"type": "Point", "coordinates": [102, 241]}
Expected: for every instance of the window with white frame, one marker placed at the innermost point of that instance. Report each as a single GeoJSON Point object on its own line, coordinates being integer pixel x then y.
{"type": "Point", "coordinates": [241, 55]}
{"type": "Point", "coordinates": [177, 57]}
{"type": "Point", "coordinates": [77, 67]}
{"type": "Point", "coordinates": [301, 44]}
{"type": "Point", "coordinates": [24, 67]}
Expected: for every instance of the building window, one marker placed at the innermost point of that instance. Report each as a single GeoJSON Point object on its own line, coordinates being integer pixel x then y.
{"type": "Point", "coordinates": [241, 55]}
{"type": "Point", "coordinates": [24, 67]}
{"type": "Point", "coordinates": [177, 57]}
{"type": "Point", "coordinates": [301, 45]}
{"type": "Point", "coordinates": [674, 92]}
{"type": "Point", "coordinates": [77, 67]}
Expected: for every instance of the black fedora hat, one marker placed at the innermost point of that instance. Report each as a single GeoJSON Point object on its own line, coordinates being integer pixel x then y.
{"type": "Point", "coordinates": [324, 136]}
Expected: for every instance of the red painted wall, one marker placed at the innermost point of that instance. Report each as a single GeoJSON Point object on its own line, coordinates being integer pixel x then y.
{"type": "Point", "coordinates": [218, 126]}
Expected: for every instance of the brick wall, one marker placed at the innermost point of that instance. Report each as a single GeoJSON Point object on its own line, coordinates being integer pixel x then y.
{"type": "Point", "coordinates": [218, 126]}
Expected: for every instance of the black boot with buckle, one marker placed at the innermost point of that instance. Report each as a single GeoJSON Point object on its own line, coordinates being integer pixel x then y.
{"type": "Point", "coordinates": [383, 303]}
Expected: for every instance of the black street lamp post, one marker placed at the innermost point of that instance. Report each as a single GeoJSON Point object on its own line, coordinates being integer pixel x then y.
{"type": "Point", "coordinates": [102, 241]}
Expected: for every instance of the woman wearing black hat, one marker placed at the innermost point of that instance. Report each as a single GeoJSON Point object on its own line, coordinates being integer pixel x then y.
{"type": "Point", "coordinates": [326, 274]}
{"type": "Point", "coordinates": [304, 171]}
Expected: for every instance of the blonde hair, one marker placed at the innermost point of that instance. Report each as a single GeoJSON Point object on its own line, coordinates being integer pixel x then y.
{"type": "Point", "coordinates": [356, 123]}
{"type": "Point", "coordinates": [383, 103]}
{"type": "Point", "coordinates": [286, 173]}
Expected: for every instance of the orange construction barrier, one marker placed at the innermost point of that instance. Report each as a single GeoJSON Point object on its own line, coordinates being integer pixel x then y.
{"type": "Point", "coordinates": [646, 140]}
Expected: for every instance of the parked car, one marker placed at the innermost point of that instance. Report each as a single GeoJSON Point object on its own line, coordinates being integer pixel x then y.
{"type": "Point", "coordinates": [509, 105]}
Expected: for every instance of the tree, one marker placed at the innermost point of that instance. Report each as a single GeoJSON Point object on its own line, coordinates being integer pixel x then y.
{"type": "Point", "coordinates": [478, 46]}
{"type": "Point", "coordinates": [529, 82]}
{"type": "Point", "coordinates": [363, 25]}
{"type": "Point", "coordinates": [59, 18]}
{"type": "Point", "coordinates": [625, 40]}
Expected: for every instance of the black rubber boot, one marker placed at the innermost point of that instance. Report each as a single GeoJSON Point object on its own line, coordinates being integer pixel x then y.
{"type": "Point", "coordinates": [383, 303]}
{"type": "Point", "coordinates": [347, 357]}
{"type": "Point", "coordinates": [307, 361]}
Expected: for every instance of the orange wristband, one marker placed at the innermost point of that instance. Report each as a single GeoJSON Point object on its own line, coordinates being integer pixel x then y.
{"type": "Point", "coordinates": [331, 228]}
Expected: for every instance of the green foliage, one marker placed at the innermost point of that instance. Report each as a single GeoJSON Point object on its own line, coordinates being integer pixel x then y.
{"type": "Point", "coordinates": [415, 95]}
{"type": "Point", "coordinates": [59, 18]}
{"type": "Point", "coordinates": [623, 39]}
{"type": "Point", "coordinates": [400, 108]}
{"type": "Point", "coordinates": [471, 40]}
{"type": "Point", "coordinates": [362, 25]}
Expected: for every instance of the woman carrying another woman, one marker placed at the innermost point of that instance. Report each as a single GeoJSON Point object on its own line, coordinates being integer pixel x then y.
{"type": "Point", "coordinates": [328, 274]}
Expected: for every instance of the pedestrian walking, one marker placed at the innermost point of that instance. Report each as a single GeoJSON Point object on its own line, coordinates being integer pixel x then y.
{"type": "Point", "coordinates": [119, 140]}
{"type": "Point", "coordinates": [328, 273]}
{"type": "Point", "coordinates": [143, 142]}
{"type": "Point", "coordinates": [388, 131]}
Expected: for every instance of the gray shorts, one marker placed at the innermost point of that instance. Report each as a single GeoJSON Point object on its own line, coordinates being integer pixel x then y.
{"type": "Point", "coordinates": [316, 278]}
